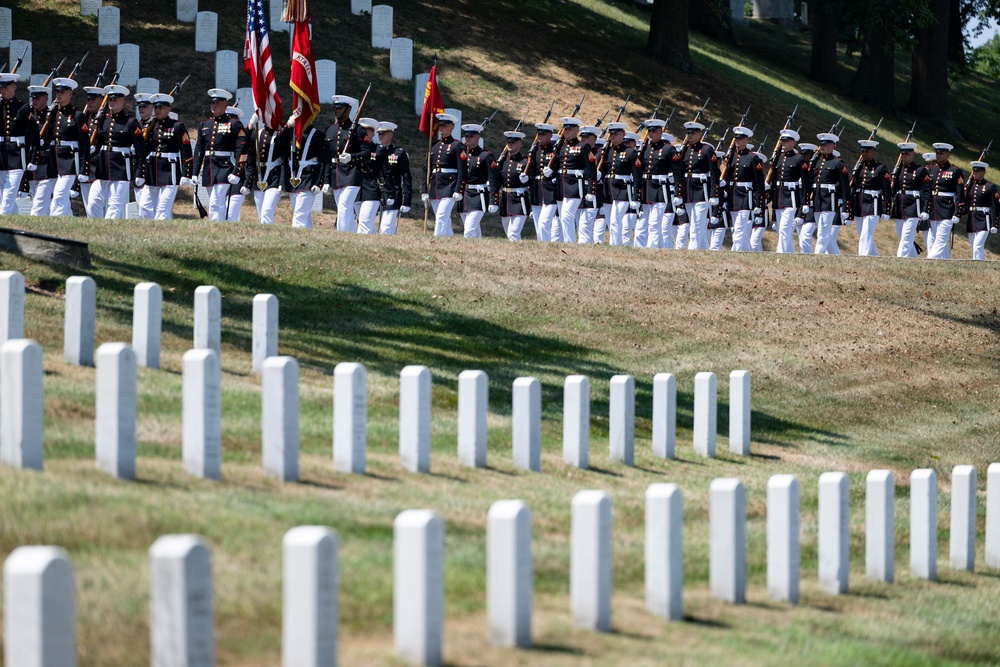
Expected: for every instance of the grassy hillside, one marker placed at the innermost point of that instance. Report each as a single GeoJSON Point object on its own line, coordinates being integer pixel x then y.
{"type": "Point", "coordinates": [856, 365]}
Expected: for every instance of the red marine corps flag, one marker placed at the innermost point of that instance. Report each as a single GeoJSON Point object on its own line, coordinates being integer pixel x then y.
{"type": "Point", "coordinates": [303, 81]}
{"type": "Point", "coordinates": [433, 104]}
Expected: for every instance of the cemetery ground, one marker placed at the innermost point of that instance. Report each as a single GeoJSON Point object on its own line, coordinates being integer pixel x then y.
{"type": "Point", "coordinates": [857, 364]}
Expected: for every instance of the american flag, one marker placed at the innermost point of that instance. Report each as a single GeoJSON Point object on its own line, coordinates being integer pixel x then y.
{"type": "Point", "coordinates": [257, 63]}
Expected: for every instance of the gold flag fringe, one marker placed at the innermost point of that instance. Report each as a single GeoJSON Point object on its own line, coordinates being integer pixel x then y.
{"type": "Point", "coordinates": [295, 11]}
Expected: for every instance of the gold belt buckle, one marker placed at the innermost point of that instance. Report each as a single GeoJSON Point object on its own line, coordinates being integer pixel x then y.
{"type": "Point", "coordinates": [294, 180]}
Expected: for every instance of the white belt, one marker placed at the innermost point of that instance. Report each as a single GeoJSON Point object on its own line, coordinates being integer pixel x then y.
{"type": "Point", "coordinates": [828, 186]}
{"type": "Point", "coordinates": [662, 178]}
{"type": "Point", "coordinates": [980, 209]}
{"type": "Point", "coordinates": [912, 193]}
{"type": "Point", "coordinates": [623, 179]}
{"type": "Point", "coordinates": [168, 156]}
{"type": "Point", "coordinates": [119, 149]}
{"type": "Point", "coordinates": [945, 194]}
{"type": "Point", "coordinates": [699, 177]}
{"type": "Point", "coordinates": [446, 171]}
{"type": "Point", "coordinates": [573, 172]}
{"type": "Point", "coordinates": [221, 153]}
{"type": "Point", "coordinates": [307, 163]}
{"type": "Point", "coordinates": [791, 185]}
{"type": "Point", "coordinates": [477, 187]}
{"type": "Point", "coordinates": [69, 144]}
{"type": "Point", "coordinates": [272, 164]}
{"type": "Point", "coordinates": [744, 184]}
{"type": "Point", "coordinates": [516, 191]}
{"type": "Point", "coordinates": [873, 193]}
{"type": "Point", "coordinates": [17, 140]}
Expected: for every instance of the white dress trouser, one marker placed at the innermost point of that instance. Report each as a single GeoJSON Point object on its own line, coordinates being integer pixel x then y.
{"type": "Point", "coordinates": [85, 189]}
{"type": "Point", "coordinates": [162, 200]}
{"type": "Point", "coordinates": [587, 222]}
{"type": "Point", "coordinates": [638, 221]}
{"type": "Point", "coordinates": [654, 220]}
{"type": "Point", "coordinates": [60, 196]}
{"type": "Point", "coordinates": [667, 230]}
{"type": "Point", "coordinates": [977, 241]}
{"type": "Point", "coordinates": [741, 230]}
{"type": "Point", "coordinates": [471, 228]}
{"type": "Point", "coordinates": [786, 227]}
{"type": "Point", "coordinates": [824, 232]}
{"type": "Point", "coordinates": [442, 216]}
{"type": "Point", "coordinates": [266, 203]}
{"type": "Point", "coordinates": [833, 248]}
{"type": "Point", "coordinates": [218, 202]}
{"type": "Point", "coordinates": [345, 197]}
{"type": "Point", "coordinates": [681, 234]}
{"type": "Point", "coordinates": [387, 225]}
{"type": "Point", "coordinates": [110, 197]}
{"type": "Point", "coordinates": [146, 201]}
{"type": "Point", "coordinates": [907, 230]}
{"type": "Point", "coordinates": [806, 231]}
{"type": "Point", "coordinates": [601, 225]}
{"type": "Point", "coordinates": [234, 207]}
{"type": "Point", "coordinates": [716, 238]}
{"type": "Point", "coordinates": [866, 235]}
{"type": "Point", "coordinates": [512, 226]}
{"type": "Point", "coordinates": [941, 235]}
{"type": "Point", "coordinates": [697, 214]}
{"type": "Point", "coordinates": [757, 239]}
{"type": "Point", "coordinates": [566, 226]}
{"type": "Point", "coordinates": [368, 217]}
{"type": "Point", "coordinates": [10, 181]}
{"type": "Point", "coordinates": [41, 196]}
{"type": "Point", "coordinates": [302, 207]}
{"type": "Point", "coordinates": [544, 216]}
{"type": "Point", "coordinates": [616, 228]}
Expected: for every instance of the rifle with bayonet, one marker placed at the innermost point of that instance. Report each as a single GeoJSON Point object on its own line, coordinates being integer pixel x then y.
{"type": "Point", "coordinates": [645, 130]}
{"type": "Point", "coordinates": [708, 131]}
{"type": "Point", "coordinates": [173, 91]}
{"type": "Point", "coordinates": [607, 147]}
{"type": "Point", "coordinates": [899, 161]}
{"type": "Point", "coordinates": [774, 154]}
{"type": "Point", "coordinates": [731, 153]}
{"type": "Point", "coordinates": [100, 77]}
{"type": "Point", "coordinates": [722, 140]}
{"type": "Point", "coordinates": [534, 143]}
{"type": "Point", "coordinates": [697, 118]}
{"type": "Point", "coordinates": [104, 107]}
{"type": "Point", "coordinates": [857, 165]}
{"type": "Point", "coordinates": [562, 133]}
{"type": "Point", "coordinates": [506, 150]}
{"type": "Point", "coordinates": [487, 120]}
{"type": "Point", "coordinates": [17, 63]}
{"type": "Point", "coordinates": [54, 106]}
{"type": "Point", "coordinates": [600, 121]}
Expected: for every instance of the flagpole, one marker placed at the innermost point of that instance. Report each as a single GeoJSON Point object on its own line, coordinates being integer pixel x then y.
{"type": "Point", "coordinates": [427, 207]}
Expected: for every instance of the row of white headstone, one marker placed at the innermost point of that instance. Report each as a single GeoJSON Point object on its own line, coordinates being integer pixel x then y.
{"type": "Point", "coordinates": [39, 589]}
{"type": "Point", "coordinates": [116, 396]}
{"type": "Point", "coordinates": [400, 48]}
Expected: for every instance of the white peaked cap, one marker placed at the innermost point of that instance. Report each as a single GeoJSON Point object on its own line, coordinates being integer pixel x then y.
{"type": "Point", "coordinates": [161, 98]}
{"type": "Point", "coordinates": [827, 136]}
{"type": "Point", "coordinates": [345, 99]}
{"type": "Point", "coordinates": [514, 135]}
{"type": "Point", "coordinates": [64, 82]}
{"type": "Point", "coordinates": [790, 134]}
{"type": "Point", "coordinates": [545, 127]}
{"type": "Point", "coordinates": [234, 111]}
{"type": "Point", "coordinates": [220, 94]}
{"type": "Point", "coordinates": [570, 121]}
{"type": "Point", "coordinates": [741, 131]}
{"type": "Point", "coordinates": [386, 126]}
{"type": "Point", "coordinates": [907, 146]}
{"type": "Point", "coordinates": [446, 118]}
{"type": "Point", "coordinates": [472, 127]}
{"type": "Point", "coordinates": [615, 126]}
{"type": "Point", "coordinates": [867, 143]}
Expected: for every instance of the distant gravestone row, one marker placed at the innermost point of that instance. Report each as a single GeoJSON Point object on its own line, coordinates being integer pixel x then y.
{"type": "Point", "coordinates": [6, 28]}
{"type": "Point", "coordinates": [39, 587]}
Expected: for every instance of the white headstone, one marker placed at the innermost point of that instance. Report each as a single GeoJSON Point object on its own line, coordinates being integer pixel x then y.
{"type": "Point", "coordinates": [727, 515]}
{"type": "Point", "coordinates": [280, 418]}
{"type": "Point", "coordinates": [11, 306]}
{"type": "Point", "coordinates": [317, 205]}
{"type": "Point", "coordinates": [148, 85]}
{"type": "Point", "coordinates": [227, 71]}
{"type": "Point", "coordinates": [923, 524]}
{"type": "Point", "coordinates": [415, 418]}
{"type": "Point", "coordinates": [880, 525]}
{"type": "Point", "coordinates": [39, 608]}
{"type": "Point", "coordinates": [381, 26]}
{"type": "Point", "coordinates": [23, 203]}
{"type": "Point", "coordinates": [128, 61]}
{"type": "Point", "coordinates": [350, 417]}
{"type": "Point", "coordinates": [21, 406]}
{"type": "Point", "coordinates": [419, 90]}
{"type": "Point", "coordinates": [664, 415]}
{"type": "Point", "coordinates": [739, 413]}
{"type": "Point", "coordinates": [401, 58]}
{"type": "Point", "coordinates": [834, 533]}
{"type": "Point", "coordinates": [418, 586]}
{"type": "Point", "coordinates": [783, 561]}
{"type": "Point", "coordinates": [576, 421]}
{"type": "Point", "coordinates": [993, 516]}
{"type": "Point", "coordinates": [621, 419]}
{"type": "Point", "coordinates": [38, 80]}
{"type": "Point", "coordinates": [78, 332]}
{"type": "Point", "coordinates": [132, 211]}
{"type": "Point", "coordinates": [6, 27]}
{"type": "Point", "coordinates": [962, 550]}
{"type": "Point", "coordinates": [90, 7]}
{"type": "Point", "coordinates": [116, 410]}
{"type": "Point", "coordinates": [182, 609]}
{"type": "Point", "coordinates": [705, 408]}
{"type": "Point", "coordinates": [206, 31]}
{"type": "Point", "coordinates": [245, 96]}
{"type": "Point", "coordinates": [803, 14]}
{"type": "Point", "coordinates": [265, 329]}
{"type": "Point", "coordinates": [108, 26]}
{"type": "Point", "coordinates": [457, 113]}
{"type": "Point", "coordinates": [473, 405]}
{"type": "Point", "coordinates": [187, 10]}
{"type": "Point", "coordinates": [17, 47]}
{"type": "Point", "coordinates": [147, 324]}
{"type": "Point", "coordinates": [276, 24]}
{"type": "Point", "coordinates": [310, 605]}
{"type": "Point", "coordinates": [361, 7]}
{"type": "Point", "coordinates": [208, 318]}
{"type": "Point", "coordinates": [326, 79]}
{"type": "Point", "coordinates": [664, 551]}
{"type": "Point", "coordinates": [526, 415]}
{"type": "Point", "coordinates": [509, 573]}
{"type": "Point", "coordinates": [591, 564]}
{"type": "Point", "coordinates": [202, 413]}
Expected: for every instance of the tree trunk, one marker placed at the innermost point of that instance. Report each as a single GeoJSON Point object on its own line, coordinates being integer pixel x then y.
{"type": "Point", "coordinates": [712, 18]}
{"type": "Point", "coordinates": [874, 81]}
{"type": "Point", "coordinates": [668, 34]}
{"type": "Point", "coordinates": [956, 41]}
{"type": "Point", "coordinates": [823, 59]}
{"type": "Point", "coordinates": [929, 79]}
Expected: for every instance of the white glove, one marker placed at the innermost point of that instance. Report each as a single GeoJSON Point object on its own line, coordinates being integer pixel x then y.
{"type": "Point", "coordinates": [326, 189]}
{"type": "Point", "coordinates": [244, 191]}
{"type": "Point", "coordinates": [316, 189]}
{"type": "Point", "coordinates": [31, 167]}
{"type": "Point", "coordinates": [714, 220]}
{"type": "Point", "coordinates": [83, 178]}
{"type": "Point", "coordinates": [458, 196]}
{"type": "Point", "coordinates": [678, 202]}
{"type": "Point", "coordinates": [93, 149]}
{"type": "Point", "coordinates": [523, 178]}
{"type": "Point", "coordinates": [404, 209]}
{"type": "Point", "coordinates": [600, 176]}
{"type": "Point", "coordinates": [767, 187]}
{"type": "Point", "coordinates": [714, 201]}
{"type": "Point", "coordinates": [390, 202]}
{"type": "Point", "coordinates": [252, 121]}
{"type": "Point", "coordinates": [925, 216]}
{"type": "Point", "coordinates": [492, 209]}
{"type": "Point", "coordinates": [805, 209]}
{"type": "Point", "coordinates": [233, 178]}
{"type": "Point", "coordinates": [884, 216]}
{"type": "Point", "coordinates": [140, 181]}
{"type": "Point", "coordinates": [993, 230]}
{"type": "Point", "coordinates": [755, 212]}
{"type": "Point", "coordinates": [547, 172]}
{"type": "Point", "coordinates": [186, 182]}
{"type": "Point", "coordinates": [670, 178]}
{"type": "Point", "coordinates": [425, 197]}
{"type": "Point", "coordinates": [758, 221]}
{"type": "Point", "coordinates": [345, 158]}
{"type": "Point", "coordinates": [73, 194]}
{"type": "Point", "coordinates": [590, 199]}
{"type": "Point", "coordinates": [633, 205]}
{"type": "Point", "coordinates": [954, 219]}
{"type": "Point", "coordinates": [798, 221]}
